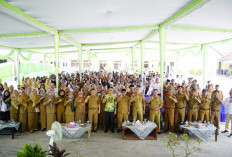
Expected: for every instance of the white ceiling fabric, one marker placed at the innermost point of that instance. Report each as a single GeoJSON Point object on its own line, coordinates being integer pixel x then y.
{"type": "Point", "coordinates": [95, 14]}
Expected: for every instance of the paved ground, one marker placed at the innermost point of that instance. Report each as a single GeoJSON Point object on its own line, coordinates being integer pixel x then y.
{"type": "Point", "coordinates": [112, 145]}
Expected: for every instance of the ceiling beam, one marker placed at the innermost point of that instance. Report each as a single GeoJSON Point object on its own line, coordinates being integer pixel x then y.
{"type": "Point", "coordinates": [18, 35]}
{"type": "Point", "coordinates": [108, 29]}
{"type": "Point", "coordinates": [188, 9]}
{"type": "Point", "coordinates": [20, 15]}
{"type": "Point", "coordinates": [171, 43]}
{"type": "Point", "coordinates": [200, 29]}
{"type": "Point", "coordinates": [14, 48]}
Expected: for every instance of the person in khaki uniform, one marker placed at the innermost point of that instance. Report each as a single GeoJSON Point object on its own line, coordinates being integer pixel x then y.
{"type": "Point", "coordinates": [69, 114]}
{"type": "Point", "coordinates": [79, 103]}
{"type": "Point", "coordinates": [123, 108]}
{"type": "Point", "coordinates": [23, 105]}
{"type": "Point", "coordinates": [193, 102]}
{"type": "Point", "coordinates": [14, 113]}
{"type": "Point", "coordinates": [93, 109]}
{"type": "Point", "coordinates": [138, 104]}
{"type": "Point", "coordinates": [155, 106]}
{"type": "Point", "coordinates": [101, 121]}
{"type": "Point", "coordinates": [169, 104]}
{"type": "Point", "coordinates": [50, 109]}
{"type": "Point", "coordinates": [215, 109]}
{"type": "Point", "coordinates": [59, 102]}
{"type": "Point", "coordinates": [42, 108]}
{"type": "Point", "coordinates": [204, 107]}
{"type": "Point", "coordinates": [180, 107]}
{"type": "Point", "coordinates": [32, 119]}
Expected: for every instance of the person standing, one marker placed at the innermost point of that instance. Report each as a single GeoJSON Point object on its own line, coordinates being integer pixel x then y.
{"type": "Point", "coordinates": [204, 107]}
{"type": "Point", "coordinates": [169, 104]}
{"type": "Point", "coordinates": [155, 106]}
{"type": "Point", "coordinates": [215, 109]}
{"type": "Point", "coordinates": [14, 113]}
{"type": "Point", "coordinates": [79, 103]}
{"type": "Point", "coordinates": [50, 108]}
{"type": "Point", "coordinates": [69, 111]}
{"type": "Point", "coordinates": [180, 107]}
{"type": "Point", "coordinates": [123, 108]}
{"type": "Point", "coordinates": [23, 105]}
{"type": "Point", "coordinates": [138, 104]}
{"type": "Point", "coordinates": [59, 101]}
{"type": "Point", "coordinates": [228, 105]}
{"type": "Point", "coordinates": [193, 102]}
{"type": "Point", "coordinates": [110, 110]}
{"type": "Point", "coordinates": [5, 106]}
{"type": "Point", "coordinates": [93, 109]}
{"type": "Point", "coordinates": [42, 108]}
{"type": "Point", "coordinates": [32, 120]}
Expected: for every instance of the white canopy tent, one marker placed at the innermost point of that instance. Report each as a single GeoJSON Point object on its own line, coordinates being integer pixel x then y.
{"type": "Point", "coordinates": [90, 26]}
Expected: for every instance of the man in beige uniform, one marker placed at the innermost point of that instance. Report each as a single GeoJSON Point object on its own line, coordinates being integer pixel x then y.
{"type": "Point", "coordinates": [215, 109]}
{"type": "Point", "coordinates": [180, 107]}
{"type": "Point", "coordinates": [204, 107]}
{"type": "Point", "coordinates": [138, 103]}
{"type": "Point", "coordinates": [155, 106]}
{"type": "Point", "coordinates": [123, 105]}
{"type": "Point", "coordinates": [93, 109]}
{"type": "Point", "coordinates": [193, 102]}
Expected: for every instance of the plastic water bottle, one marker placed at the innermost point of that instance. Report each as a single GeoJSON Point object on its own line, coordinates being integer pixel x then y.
{"type": "Point", "coordinates": [12, 121]}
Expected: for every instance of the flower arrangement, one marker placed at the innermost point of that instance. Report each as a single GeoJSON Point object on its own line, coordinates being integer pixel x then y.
{"type": "Point", "coordinates": [183, 142]}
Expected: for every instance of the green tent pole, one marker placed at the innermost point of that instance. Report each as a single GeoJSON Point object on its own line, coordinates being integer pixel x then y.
{"type": "Point", "coordinates": [80, 60]}
{"type": "Point", "coordinates": [88, 53]}
{"type": "Point", "coordinates": [204, 66]}
{"type": "Point", "coordinates": [162, 33]}
{"type": "Point", "coordinates": [56, 47]}
{"type": "Point", "coordinates": [17, 66]}
{"type": "Point", "coordinates": [133, 59]}
{"type": "Point", "coordinates": [177, 62]}
{"type": "Point", "coordinates": [44, 62]}
{"type": "Point", "coordinates": [142, 59]}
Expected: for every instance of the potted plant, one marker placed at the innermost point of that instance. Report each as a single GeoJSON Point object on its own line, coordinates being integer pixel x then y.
{"type": "Point", "coordinates": [29, 151]}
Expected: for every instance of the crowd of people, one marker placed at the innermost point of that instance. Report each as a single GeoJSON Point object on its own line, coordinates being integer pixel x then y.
{"type": "Point", "coordinates": [105, 99]}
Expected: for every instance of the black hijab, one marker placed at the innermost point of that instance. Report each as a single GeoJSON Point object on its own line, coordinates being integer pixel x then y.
{"type": "Point", "coordinates": [5, 97]}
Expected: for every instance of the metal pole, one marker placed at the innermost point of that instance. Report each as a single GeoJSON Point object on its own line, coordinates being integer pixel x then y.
{"type": "Point", "coordinates": [204, 66]}
{"type": "Point", "coordinates": [133, 59]}
{"type": "Point", "coordinates": [17, 66]}
{"type": "Point", "coordinates": [162, 34]}
{"type": "Point", "coordinates": [44, 63]}
{"type": "Point", "coordinates": [80, 60]}
{"type": "Point", "coordinates": [177, 62]}
{"type": "Point", "coordinates": [56, 47]}
{"type": "Point", "coordinates": [88, 53]}
{"type": "Point", "coordinates": [142, 59]}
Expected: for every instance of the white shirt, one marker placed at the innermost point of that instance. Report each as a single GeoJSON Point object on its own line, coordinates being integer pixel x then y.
{"type": "Point", "coordinates": [157, 86]}
{"type": "Point", "coordinates": [228, 105]}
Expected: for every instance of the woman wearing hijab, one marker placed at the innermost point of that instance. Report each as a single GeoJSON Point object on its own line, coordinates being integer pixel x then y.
{"type": "Point", "coordinates": [69, 103]}
{"type": "Point", "coordinates": [42, 108]}
{"type": "Point", "coordinates": [59, 101]}
{"type": "Point", "coordinates": [50, 108]}
{"type": "Point", "coordinates": [32, 114]}
{"type": "Point", "coordinates": [14, 113]}
{"type": "Point", "coordinates": [23, 105]}
{"type": "Point", "coordinates": [5, 107]}
{"type": "Point", "coordinates": [79, 103]}
{"type": "Point", "coordinates": [1, 89]}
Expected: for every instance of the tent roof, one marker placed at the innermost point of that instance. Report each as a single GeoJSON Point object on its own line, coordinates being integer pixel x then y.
{"type": "Point", "coordinates": [89, 22]}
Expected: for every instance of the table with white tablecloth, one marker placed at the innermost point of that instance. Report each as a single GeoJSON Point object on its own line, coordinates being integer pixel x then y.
{"type": "Point", "coordinates": [76, 132]}
{"type": "Point", "coordinates": [202, 133]}
{"type": "Point", "coordinates": [12, 126]}
{"type": "Point", "coordinates": [141, 130]}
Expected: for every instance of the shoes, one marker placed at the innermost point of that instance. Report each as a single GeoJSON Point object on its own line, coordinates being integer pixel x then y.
{"type": "Point", "coordinates": [94, 130]}
{"type": "Point", "coordinates": [230, 135]}
{"type": "Point", "coordinates": [31, 131]}
{"type": "Point", "coordinates": [106, 131]}
{"type": "Point", "coordinates": [119, 130]}
{"type": "Point", "coordinates": [224, 131]}
{"type": "Point", "coordinates": [112, 131]}
{"type": "Point", "coordinates": [43, 129]}
{"type": "Point", "coordinates": [159, 133]}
